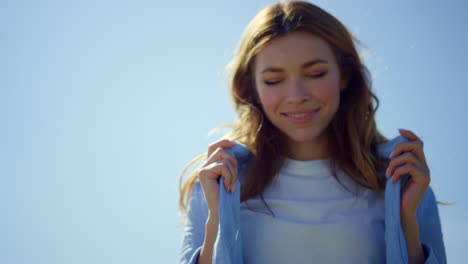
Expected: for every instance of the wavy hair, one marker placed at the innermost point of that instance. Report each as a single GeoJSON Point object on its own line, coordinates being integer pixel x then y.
{"type": "Point", "coordinates": [353, 133]}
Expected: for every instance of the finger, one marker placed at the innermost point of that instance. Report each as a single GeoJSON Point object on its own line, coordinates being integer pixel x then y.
{"type": "Point", "coordinates": [216, 169]}
{"type": "Point", "coordinates": [415, 173]}
{"type": "Point", "coordinates": [408, 134]}
{"type": "Point", "coordinates": [233, 186]}
{"type": "Point", "coordinates": [227, 175]}
{"type": "Point", "coordinates": [405, 158]}
{"type": "Point", "coordinates": [411, 136]}
{"type": "Point", "coordinates": [233, 169]}
{"type": "Point", "coordinates": [224, 143]}
{"type": "Point", "coordinates": [229, 167]}
{"type": "Point", "coordinates": [414, 147]}
{"type": "Point", "coordinates": [221, 154]}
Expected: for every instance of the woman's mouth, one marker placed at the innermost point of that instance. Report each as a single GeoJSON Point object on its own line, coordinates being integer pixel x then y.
{"type": "Point", "coordinates": [300, 116]}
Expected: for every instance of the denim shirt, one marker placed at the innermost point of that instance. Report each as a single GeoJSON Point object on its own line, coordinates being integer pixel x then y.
{"type": "Point", "coordinates": [228, 245]}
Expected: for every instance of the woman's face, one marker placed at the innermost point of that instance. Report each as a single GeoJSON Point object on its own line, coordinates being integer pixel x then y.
{"type": "Point", "coordinates": [298, 83]}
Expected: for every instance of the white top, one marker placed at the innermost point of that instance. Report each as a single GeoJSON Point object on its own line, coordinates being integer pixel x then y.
{"type": "Point", "coordinates": [316, 219]}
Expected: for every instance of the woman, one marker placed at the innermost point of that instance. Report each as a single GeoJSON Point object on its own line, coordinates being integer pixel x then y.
{"type": "Point", "coordinates": [303, 170]}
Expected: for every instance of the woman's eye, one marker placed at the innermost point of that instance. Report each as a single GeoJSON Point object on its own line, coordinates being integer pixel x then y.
{"type": "Point", "coordinates": [318, 75]}
{"type": "Point", "coordinates": [312, 76]}
{"type": "Point", "coordinates": [271, 82]}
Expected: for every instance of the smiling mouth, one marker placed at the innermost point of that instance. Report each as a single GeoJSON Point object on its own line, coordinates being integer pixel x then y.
{"type": "Point", "coordinates": [300, 117]}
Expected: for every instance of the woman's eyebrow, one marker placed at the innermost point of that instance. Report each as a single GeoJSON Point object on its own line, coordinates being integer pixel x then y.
{"type": "Point", "coordinates": [313, 62]}
{"type": "Point", "coordinates": [305, 65]}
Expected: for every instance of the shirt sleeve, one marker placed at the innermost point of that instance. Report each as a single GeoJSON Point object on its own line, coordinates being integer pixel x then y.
{"type": "Point", "coordinates": [194, 229]}
{"type": "Point", "coordinates": [430, 231]}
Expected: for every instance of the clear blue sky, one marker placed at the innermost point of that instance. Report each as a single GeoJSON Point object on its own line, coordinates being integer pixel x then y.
{"type": "Point", "coordinates": [102, 103]}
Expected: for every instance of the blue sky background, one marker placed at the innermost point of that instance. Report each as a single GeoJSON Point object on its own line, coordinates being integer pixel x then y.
{"type": "Point", "coordinates": [102, 103]}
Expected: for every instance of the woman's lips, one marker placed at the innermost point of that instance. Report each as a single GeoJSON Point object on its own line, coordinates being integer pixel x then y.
{"type": "Point", "coordinates": [300, 117]}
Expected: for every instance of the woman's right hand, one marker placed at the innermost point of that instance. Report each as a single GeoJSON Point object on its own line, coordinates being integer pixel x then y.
{"type": "Point", "coordinates": [219, 164]}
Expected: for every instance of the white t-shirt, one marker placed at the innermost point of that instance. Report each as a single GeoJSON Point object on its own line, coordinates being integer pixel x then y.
{"type": "Point", "coordinates": [316, 219]}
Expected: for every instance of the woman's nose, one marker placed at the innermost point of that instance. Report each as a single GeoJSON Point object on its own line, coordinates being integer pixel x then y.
{"type": "Point", "coordinates": [297, 93]}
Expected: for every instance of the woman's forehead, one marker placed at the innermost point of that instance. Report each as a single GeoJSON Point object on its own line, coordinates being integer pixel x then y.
{"type": "Point", "coordinates": [295, 48]}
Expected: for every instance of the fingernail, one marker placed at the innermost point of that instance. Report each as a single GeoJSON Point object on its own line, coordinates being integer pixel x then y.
{"type": "Point", "coordinates": [233, 187]}
{"type": "Point", "coordinates": [386, 173]}
{"type": "Point", "coordinates": [391, 154]}
{"type": "Point", "coordinates": [227, 188]}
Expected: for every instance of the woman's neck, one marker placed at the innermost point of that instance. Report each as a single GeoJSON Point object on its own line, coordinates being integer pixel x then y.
{"type": "Point", "coordinates": [308, 150]}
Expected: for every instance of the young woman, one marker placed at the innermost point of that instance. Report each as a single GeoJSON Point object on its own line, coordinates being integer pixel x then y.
{"type": "Point", "coordinates": [305, 175]}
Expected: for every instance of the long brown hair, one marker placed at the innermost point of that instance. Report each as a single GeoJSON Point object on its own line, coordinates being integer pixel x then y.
{"type": "Point", "coordinates": [353, 133]}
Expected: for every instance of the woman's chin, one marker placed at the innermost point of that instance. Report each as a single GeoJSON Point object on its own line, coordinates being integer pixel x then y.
{"type": "Point", "coordinates": [305, 134]}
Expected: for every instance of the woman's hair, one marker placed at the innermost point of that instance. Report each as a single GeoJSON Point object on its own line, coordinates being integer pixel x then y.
{"type": "Point", "coordinates": [353, 136]}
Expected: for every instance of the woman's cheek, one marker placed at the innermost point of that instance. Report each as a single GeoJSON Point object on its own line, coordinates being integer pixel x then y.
{"type": "Point", "coordinates": [268, 99]}
{"type": "Point", "coordinates": [329, 91]}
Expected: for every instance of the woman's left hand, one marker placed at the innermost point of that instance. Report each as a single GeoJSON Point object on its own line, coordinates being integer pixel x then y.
{"type": "Point", "coordinates": [408, 158]}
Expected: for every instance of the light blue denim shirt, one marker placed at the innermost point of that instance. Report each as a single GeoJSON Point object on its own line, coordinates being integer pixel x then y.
{"type": "Point", "coordinates": [228, 244]}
